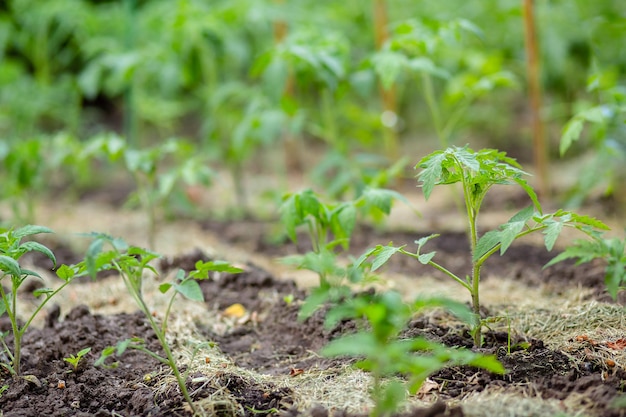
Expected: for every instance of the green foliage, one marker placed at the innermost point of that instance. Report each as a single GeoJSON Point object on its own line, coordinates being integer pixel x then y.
{"type": "Point", "coordinates": [11, 250]}
{"type": "Point", "coordinates": [385, 353]}
{"type": "Point", "coordinates": [477, 172]}
{"type": "Point", "coordinates": [330, 225]}
{"type": "Point", "coordinates": [131, 263]}
{"type": "Point", "coordinates": [74, 360]}
{"type": "Point", "coordinates": [603, 119]}
{"type": "Point", "coordinates": [612, 251]}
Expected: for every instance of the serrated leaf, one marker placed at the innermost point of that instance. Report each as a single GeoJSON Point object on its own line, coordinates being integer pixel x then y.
{"type": "Point", "coordinates": [571, 133]}
{"type": "Point", "coordinates": [551, 233]}
{"type": "Point", "coordinates": [510, 230]}
{"type": "Point", "coordinates": [190, 289]}
{"type": "Point", "coordinates": [382, 255]}
{"type": "Point", "coordinates": [486, 243]}
{"type": "Point", "coordinates": [431, 171]}
{"type": "Point", "coordinates": [424, 258]}
{"type": "Point", "coordinates": [530, 192]}
{"type": "Point", "coordinates": [589, 221]}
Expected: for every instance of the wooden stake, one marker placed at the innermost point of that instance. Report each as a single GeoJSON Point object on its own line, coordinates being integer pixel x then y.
{"type": "Point", "coordinates": [388, 97]}
{"type": "Point", "coordinates": [540, 149]}
{"type": "Point", "coordinates": [291, 146]}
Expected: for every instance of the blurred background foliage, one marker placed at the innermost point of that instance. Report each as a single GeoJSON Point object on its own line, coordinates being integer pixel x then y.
{"type": "Point", "coordinates": [243, 78]}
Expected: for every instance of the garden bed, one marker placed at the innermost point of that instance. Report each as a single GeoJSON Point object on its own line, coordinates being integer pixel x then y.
{"type": "Point", "coordinates": [561, 356]}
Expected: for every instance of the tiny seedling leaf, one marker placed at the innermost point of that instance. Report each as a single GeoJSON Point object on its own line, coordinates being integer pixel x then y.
{"type": "Point", "coordinates": [65, 272]}
{"type": "Point", "coordinates": [190, 289]}
{"type": "Point", "coordinates": [42, 291]}
{"type": "Point", "coordinates": [165, 287]}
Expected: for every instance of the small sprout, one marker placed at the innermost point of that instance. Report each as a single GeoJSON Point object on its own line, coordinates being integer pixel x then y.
{"type": "Point", "coordinates": [288, 299]}
{"type": "Point", "coordinates": [75, 360]}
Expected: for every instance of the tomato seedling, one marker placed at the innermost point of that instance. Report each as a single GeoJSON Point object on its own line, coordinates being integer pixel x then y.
{"type": "Point", "coordinates": [11, 250]}
{"type": "Point", "coordinates": [131, 262]}
{"type": "Point", "coordinates": [74, 360]}
{"type": "Point", "coordinates": [477, 172]}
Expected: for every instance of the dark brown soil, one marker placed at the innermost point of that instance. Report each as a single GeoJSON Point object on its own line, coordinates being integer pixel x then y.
{"type": "Point", "coordinates": [522, 262]}
{"type": "Point", "coordinates": [272, 341]}
{"type": "Point", "coordinates": [126, 390]}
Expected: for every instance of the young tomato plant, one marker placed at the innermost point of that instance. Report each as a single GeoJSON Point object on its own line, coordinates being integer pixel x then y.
{"type": "Point", "coordinates": [74, 360]}
{"type": "Point", "coordinates": [131, 263]}
{"type": "Point", "coordinates": [477, 172]}
{"type": "Point", "coordinates": [329, 225]}
{"type": "Point", "coordinates": [11, 250]}
{"type": "Point", "coordinates": [384, 353]}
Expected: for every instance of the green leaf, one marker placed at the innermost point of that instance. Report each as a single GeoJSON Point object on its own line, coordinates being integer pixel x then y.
{"type": "Point", "coordinates": [489, 363]}
{"type": "Point", "coordinates": [431, 171]}
{"type": "Point", "coordinates": [42, 291]}
{"type": "Point", "coordinates": [30, 230]}
{"type": "Point", "coordinates": [315, 300]}
{"type": "Point", "coordinates": [10, 266]}
{"type": "Point", "coordinates": [343, 221]}
{"type": "Point", "coordinates": [486, 243]}
{"type": "Point", "coordinates": [358, 344]}
{"type": "Point", "coordinates": [510, 230]}
{"type": "Point", "coordinates": [552, 232]}
{"type": "Point", "coordinates": [460, 310]}
{"type": "Point", "coordinates": [530, 192]}
{"type": "Point", "coordinates": [65, 272]}
{"type": "Point", "coordinates": [382, 255]}
{"type": "Point", "coordinates": [38, 247]}
{"type": "Point", "coordinates": [165, 287]}
{"type": "Point", "coordinates": [190, 289]}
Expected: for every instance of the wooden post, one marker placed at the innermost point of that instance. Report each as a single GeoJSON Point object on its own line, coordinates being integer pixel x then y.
{"type": "Point", "coordinates": [388, 96]}
{"type": "Point", "coordinates": [540, 149]}
{"type": "Point", "coordinates": [291, 146]}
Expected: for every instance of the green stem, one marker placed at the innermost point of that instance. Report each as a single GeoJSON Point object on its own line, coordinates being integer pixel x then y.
{"type": "Point", "coordinates": [14, 367]}
{"type": "Point", "coordinates": [129, 278]}
{"type": "Point", "coordinates": [440, 268]}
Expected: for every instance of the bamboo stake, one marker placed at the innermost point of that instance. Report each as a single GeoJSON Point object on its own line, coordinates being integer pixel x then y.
{"type": "Point", "coordinates": [388, 97]}
{"type": "Point", "coordinates": [540, 149]}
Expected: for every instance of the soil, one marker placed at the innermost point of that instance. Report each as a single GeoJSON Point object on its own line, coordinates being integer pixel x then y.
{"type": "Point", "coordinates": [267, 339]}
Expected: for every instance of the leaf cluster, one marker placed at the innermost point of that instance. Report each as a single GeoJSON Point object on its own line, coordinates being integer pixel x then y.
{"type": "Point", "coordinates": [384, 352]}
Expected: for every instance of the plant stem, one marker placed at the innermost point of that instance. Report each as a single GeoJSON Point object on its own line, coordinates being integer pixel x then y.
{"type": "Point", "coordinates": [15, 357]}
{"type": "Point", "coordinates": [171, 362]}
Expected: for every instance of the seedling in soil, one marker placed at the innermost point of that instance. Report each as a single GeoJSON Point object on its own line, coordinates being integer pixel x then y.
{"type": "Point", "coordinates": [75, 360]}
{"type": "Point", "coordinates": [131, 263]}
{"type": "Point", "coordinates": [478, 172]}
{"type": "Point", "coordinates": [11, 250]}
{"type": "Point", "coordinates": [383, 316]}
{"type": "Point", "coordinates": [329, 225]}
